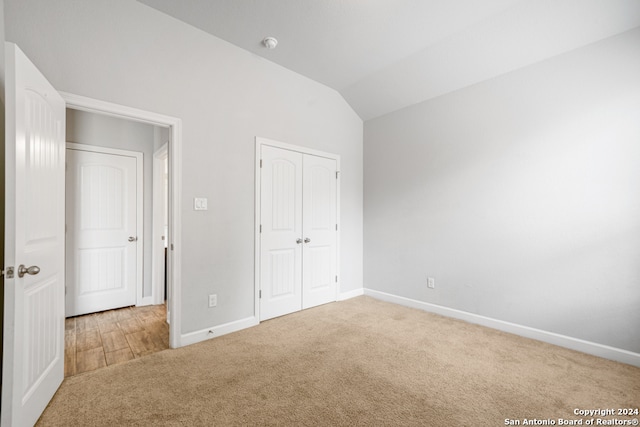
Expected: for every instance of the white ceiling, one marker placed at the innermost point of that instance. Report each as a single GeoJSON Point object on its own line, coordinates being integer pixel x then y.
{"type": "Point", "coordinates": [383, 55]}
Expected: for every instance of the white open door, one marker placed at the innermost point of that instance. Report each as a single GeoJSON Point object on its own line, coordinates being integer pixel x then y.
{"type": "Point", "coordinates": [33, 365]}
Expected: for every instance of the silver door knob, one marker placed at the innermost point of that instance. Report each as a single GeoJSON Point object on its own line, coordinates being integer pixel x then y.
{"type": "Point", "coordinates": [307, 240]}
{"type": "Point", "coordinates": [298, 241]}
{"type": "Point", "coordinates": [33, 270]}
{"type": "Point", "coordinates": [132, 239]}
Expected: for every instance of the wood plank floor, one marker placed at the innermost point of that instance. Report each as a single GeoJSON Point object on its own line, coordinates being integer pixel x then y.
{"type": "Point", "coordinates": [97, 340]}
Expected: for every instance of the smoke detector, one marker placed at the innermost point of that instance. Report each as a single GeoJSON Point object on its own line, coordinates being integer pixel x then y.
{"type": "Point", "coordinates": [270, 42]}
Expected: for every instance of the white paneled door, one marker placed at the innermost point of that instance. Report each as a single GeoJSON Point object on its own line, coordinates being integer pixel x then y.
{"type": "Point", "coordinates": [281, 236]}
{"type": "Point", "coordinates": [33, 365]}
{"type": "Point", "coordinates": [319, 215]}
{"type": "Point", "coordinates": [298, 237]}
{"type": "Point", "coordinates": [102, 231]}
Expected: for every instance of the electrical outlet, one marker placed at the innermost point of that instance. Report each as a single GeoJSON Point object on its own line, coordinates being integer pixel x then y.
{"type": "Point", "coordinates": [431, 283]}
{"type": "Point", "coordinates": [213, 300]}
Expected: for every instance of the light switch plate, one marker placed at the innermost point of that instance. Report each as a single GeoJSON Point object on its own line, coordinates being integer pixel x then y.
{"type": "Point", "coordinates": [199, 204]}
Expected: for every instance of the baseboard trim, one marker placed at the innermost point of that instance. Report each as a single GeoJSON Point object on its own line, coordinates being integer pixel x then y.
{"type": "Point", "coordinates": [595, 349]}
{"type": "Point", "coordinates": [350, 294]}
{"type": "Point", "coordinates": [217, 331]}
{"type": "Point", "coordinates": [145, 301]}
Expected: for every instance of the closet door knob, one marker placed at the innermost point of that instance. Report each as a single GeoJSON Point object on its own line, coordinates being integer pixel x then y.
{"type": "Point", "coordinates": [307, 240]}
{"type": "Point", "coordinates": [298, 241]}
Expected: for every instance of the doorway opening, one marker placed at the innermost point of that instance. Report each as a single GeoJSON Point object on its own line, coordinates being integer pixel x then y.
{"type": "Point", "coordinates": [111, 210]}
{"type": "Point", "coordinates": [162, 150]}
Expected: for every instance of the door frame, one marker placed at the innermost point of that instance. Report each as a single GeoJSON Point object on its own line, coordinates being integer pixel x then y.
{"type": "Point", "coordinates": [157, 245]}
{"type": "Point", "coordinates": [174, 261]}
{"type": "Point", "coordinates": [140, 299]}
{"type": "Point", "coordinates": [259, 142]}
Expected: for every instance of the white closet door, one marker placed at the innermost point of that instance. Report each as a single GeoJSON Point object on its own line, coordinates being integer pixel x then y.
{"type": "Point", "coordinates": [281, 222]}
{"type": "Point", "coordinates": [101, 231]}
{"type": "Point", "coordinates": [319, 230]}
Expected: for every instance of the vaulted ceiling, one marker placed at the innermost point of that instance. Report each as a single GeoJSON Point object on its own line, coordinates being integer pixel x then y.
{"type": "Point", "coordinates": [384, 55]}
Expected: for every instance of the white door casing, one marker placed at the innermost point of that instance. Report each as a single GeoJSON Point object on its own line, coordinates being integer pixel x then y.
{"type": "Point", "coordinates": [160, 226]}
{"type": "Point", "coordinates": [104, 229]}
{"type": "Point", "coordinates": [174, 258]}
{"type": "Point", "coordinates": [33, 365]}
{"type": "Point", "coordinates": [297, 221]}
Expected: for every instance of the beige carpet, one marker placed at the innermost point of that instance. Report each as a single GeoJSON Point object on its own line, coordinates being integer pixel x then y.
{"type": "Point", "coordinates": [360, 362]}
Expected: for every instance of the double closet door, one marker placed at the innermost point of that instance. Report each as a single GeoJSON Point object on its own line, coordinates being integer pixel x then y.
{"type": "Point", "coordinates": [298, 238]}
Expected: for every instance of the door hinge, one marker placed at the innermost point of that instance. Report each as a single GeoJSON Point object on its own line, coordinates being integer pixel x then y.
{"type": "Point", "coordinates": [336, 279]}
{"type": "Point", "coordinates": [172, 246]}
{"type": "Point", "coordinates": [260, 293]}
{"type": "Point", "coordinates": [8, 273]}
{"type": "Point", "coordinates": [337, 173]}
{"type": "Point", "coordinates": [261, 228]}
{"type": "Point", "coordinates": [336, 227]}
{"type": "Point", "coordinates": [260, 162]}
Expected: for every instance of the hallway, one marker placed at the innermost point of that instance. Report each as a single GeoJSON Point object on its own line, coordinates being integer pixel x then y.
{"type": "Point", "coordinates": [96, 340]}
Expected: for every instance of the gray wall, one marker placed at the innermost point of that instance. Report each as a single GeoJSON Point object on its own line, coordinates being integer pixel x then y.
{"type": "Point", "coordinates": [125, 52]}
{"type": "Point", "coordinates": [111, 132]}
{"type": "Point", "coordinates": [520, 195]}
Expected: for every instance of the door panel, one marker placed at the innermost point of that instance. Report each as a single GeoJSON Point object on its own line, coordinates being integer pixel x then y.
{"type": "Point", "coordinates": [284, 282]}
{"type": "Point", "coordinates": [319, 229]}
{"type": "Point", "coordinates": [320, 266]}
{"type": "Point", "coordinates": [100, 270]}
{"type": "Point", "coordinates": [33, 365]}
{"type": "Point", "coordinates": [281, 217]}
{"type": "Point", "coordinates": [101, 217]}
